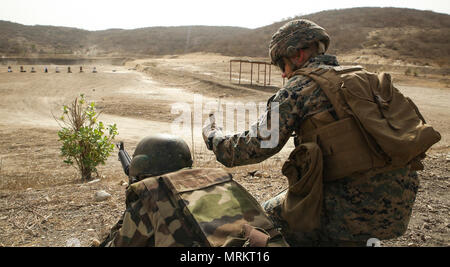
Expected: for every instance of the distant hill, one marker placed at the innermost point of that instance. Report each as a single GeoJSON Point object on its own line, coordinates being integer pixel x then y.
{"type": "Point", "coordinates": [407, 34]}
{"type": "Point", "coordinates": [411, 35]}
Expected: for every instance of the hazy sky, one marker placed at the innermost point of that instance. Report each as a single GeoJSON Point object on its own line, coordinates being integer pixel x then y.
{"type": "Point", "coordinates": [130, 14]}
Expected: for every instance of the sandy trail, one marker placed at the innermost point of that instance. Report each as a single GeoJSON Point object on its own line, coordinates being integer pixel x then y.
{"type": "Point", "coordinates": [31, 100]}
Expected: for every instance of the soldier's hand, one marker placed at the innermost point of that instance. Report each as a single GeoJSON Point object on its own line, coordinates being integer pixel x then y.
{"type": "Point", "coordinates": [209, 132]}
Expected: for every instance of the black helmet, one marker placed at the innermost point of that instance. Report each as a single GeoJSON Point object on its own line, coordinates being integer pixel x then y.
{"type": "Point", "coordinates": [159, 154]}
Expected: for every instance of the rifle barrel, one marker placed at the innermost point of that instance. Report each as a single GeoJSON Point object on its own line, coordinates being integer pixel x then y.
{"type": "Point", "coordinates": [124, 158]}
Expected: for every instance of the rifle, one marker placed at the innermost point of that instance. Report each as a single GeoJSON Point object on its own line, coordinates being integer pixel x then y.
{"type": "Point", "coordinates": [124, 158]}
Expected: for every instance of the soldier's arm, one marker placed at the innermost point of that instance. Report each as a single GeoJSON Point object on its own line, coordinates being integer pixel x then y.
{"type": "Point", "coordinates": [250, 147]}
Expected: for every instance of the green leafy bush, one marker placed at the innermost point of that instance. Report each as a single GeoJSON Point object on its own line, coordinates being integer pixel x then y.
{"type": "Point", "coordinates": [86, 142]}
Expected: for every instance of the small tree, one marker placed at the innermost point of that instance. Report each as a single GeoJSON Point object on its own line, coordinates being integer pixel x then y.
{"type": "Point", "coordinates": [83, 137]}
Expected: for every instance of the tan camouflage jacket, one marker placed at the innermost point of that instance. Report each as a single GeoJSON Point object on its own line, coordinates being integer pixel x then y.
{"type": "Point", "coordinates": [294, 107]}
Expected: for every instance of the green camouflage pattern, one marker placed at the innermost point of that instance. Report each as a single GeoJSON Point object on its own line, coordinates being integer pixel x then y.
{"type": "Point", "coordinates": [151, 219]}
{"type": "Point", "coordinates": [296, 34]}
{"type": "Point", "coordinates": [300, 99]}
{"type": "Point", "coordinates": [223, 209]}
{"type": "Point", "coordinates": [355, 210]}
{"type": "Point", "coordinates": [190, 208]}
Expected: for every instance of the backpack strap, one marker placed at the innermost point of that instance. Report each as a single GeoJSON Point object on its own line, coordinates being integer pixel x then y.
{"type": "Point", "coordinates": [330, 82]}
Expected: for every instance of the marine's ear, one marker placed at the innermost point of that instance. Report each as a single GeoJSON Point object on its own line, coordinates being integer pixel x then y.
{"type": "Point", "coordinates": [299, 58]}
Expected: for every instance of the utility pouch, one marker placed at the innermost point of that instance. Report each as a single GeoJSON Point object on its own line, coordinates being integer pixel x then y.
{"type": "Point", "coordinates": [303, 202]}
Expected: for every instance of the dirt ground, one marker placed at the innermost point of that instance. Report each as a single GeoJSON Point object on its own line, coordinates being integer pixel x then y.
{"type": "Point", "coordinates": [44, 203]}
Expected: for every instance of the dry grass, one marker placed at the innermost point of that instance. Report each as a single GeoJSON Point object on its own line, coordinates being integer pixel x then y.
{"type": "Point", "coordinates": [43, 202]}
{"type": "Point", "coordinates": [38, 211]}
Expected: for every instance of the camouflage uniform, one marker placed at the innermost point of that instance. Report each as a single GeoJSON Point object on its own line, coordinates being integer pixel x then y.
{"type": "Point", "coordinates": [137, 226]}
{"type": "Point", "coordinates": [191, 208]}
{"type": "Point", "coordinates": [294, 107]}
{"type": "Point", "coordinates": [354, 209]}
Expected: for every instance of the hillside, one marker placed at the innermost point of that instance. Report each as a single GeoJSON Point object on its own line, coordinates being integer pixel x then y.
{"type": "Point", "coordinates": [407, 34]}
{"type": "Point", "coordinates": [17, 39]}
{"type": "Point", "coordinates": [415, 36]}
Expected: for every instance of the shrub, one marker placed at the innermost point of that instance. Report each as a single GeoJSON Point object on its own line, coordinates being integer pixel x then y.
{"type": "Point", "coordinates": [85, 143]}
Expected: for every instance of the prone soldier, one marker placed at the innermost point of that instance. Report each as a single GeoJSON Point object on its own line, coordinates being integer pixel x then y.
{"type": "Point", "coordinates": [170, 204]}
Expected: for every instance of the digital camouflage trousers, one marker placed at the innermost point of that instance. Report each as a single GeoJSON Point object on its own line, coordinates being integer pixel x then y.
{"type": "Point", "coordinates": [355, 210]}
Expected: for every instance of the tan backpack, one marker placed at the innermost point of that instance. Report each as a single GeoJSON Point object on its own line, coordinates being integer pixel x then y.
{"type": "Point", "coordinates": [373, 112]}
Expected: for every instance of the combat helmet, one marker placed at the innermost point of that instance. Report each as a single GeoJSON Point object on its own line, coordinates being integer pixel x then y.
{"type": "Point", "coordinates": [296, 34]}
{"type": "Point", "coordinates": [159, 154]}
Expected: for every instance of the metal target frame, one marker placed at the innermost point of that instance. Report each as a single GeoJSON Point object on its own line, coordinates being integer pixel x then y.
{"type": "Point", "coordinates": [252, 62]}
